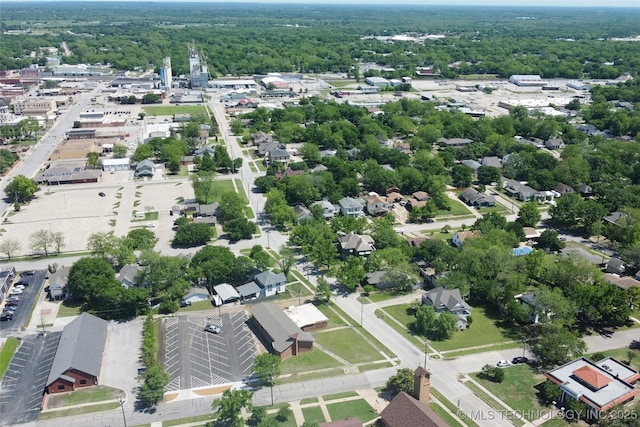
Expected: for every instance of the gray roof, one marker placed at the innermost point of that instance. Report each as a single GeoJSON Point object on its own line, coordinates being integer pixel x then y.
{"type": "Point", "coordinates": [226, 292]}
{"type": "Point", "coordinates": [349, 202]}
{"type": "Point", "coordinates": [278, 152]}
{"type": "Point", "coordinates": [375, 278]}
{"type": "Point", "coordinates": [59, 278]}
{"type": "Point", "coordinates": [248, 289]}
{"type": "Point", "coordinates": [81, 347]}
{"type": "Point", "coordinates": [269, 278]}
{"type": "Point", "coordinates": [197, 291]}
{"type": "Point", "coordinates": [280, 328]}
{"type": "Point", "coordinates": [471, 164]}
{"type": "Point", "coordinates": [448, 298]}
{"type": "Point", "coordinates": [129, 273]}
{"type": "Point", "coordinates": [492, 161]}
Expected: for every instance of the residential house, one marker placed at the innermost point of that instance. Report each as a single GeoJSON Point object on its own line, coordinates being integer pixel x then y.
{"type": "Point", "coordinates": [209, 210]}
{"type": "Point", "coordinates": [78, 358]}
{"type": "Point", "coordinates": [492, 161]}
{"type": "Point", "coordinates": [265, 147]}
{"type": "Point", "coordinates": [562, 189]}
{"type": "Point", "coordinates": [58, 284]}
{"type": "Point", "coordinates": [302, 214]}
{"type": "Point", "coordinates": [249, 291]}
{"type": "Point", "coordinates": [460, 236]}
{"type": "Point", "coordinates": [554, 144]}
{"type": "Point", "coordinates": [471, 164]}
{"type": "Point", "coordinates": [518, 190]}
{"type": "Point", "coordinates": [211, 151]}
{"type": "Point", "coordinates": [356, 245]}
{"type": "Point", "coordinates": [128, 275]}
{"type": "Point", "coordinates": [261, 138]}
{"type": "Point", "coordinates": [454, 142]}
{"type": "Point", "coordinates": [270, 283]}
{"type": "Point", "coordinates": [615, 265]}
{"type": "Point", "coordinates": [376, 279]}
{"type": "Point", "coordinates": [196, 294]}
{"type": "Point", "coordinates": [319, 168]}
{"type": "Point", "coordinates": [329, 210]}
{"type": "Point", "coordinates": [327, 153]}
{"type": "Point", "coordinates": [529, 299]}
{"type": "Point", "coordinates": [377, 205]}
{"type": "Point", "coordinates": [350, 207]}
{"type": "Point", "coordinates": [418, 200]}
{"type": "Point", "coordinates": [586, 190]}
{"type": "Point", "coordinates": [616, 218]}
{"type": "Point", "coordinates": [279, 155]}
{"type": "Point", "coordinates": [288, 172]}
{"type": "Point", "coordinates": [404, 147]}
{"type": "Point", "coordinates": [599, 386]}
{"type": "Point", "coordinates": [450, 300]}
{"type": "Point", "coordinates": [279, 333]}
{"type": "Point", "coordinates": [473, 197]}
{"type": "Point", "coordinates": [623, 282]}
{"type": "Point", "coordinates": [144, 168]}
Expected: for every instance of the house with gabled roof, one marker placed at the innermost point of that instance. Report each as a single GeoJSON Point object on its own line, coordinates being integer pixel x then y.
{"type": "Point", "coordinates": [79, 354]}
{"type": "Point", "coordinates": [144, 168]}
{"type": "Point", "coordinates": [302, 214]}
{"type": "Point", "coordinates": [270, 283]}
{"type": "Point", "coordinates": [518, 190]}
{"type": "Point", "coordinates": [280, 334]}
{"type": "Point", "coordinates": [454, 142]}
{"type": "Point", "coordinates": [450, 300]}
{"type": "Point", "coordinates": [128, 275]}
{"type": "Point", "coordinates": [265, 147]}
{"type": "Point", "coordinates": [460, 236]}
{"type": "Point", "coordinates": [350, 207]}
{"type": "Point", "coordinates": [473, 197]}
{"type": "Point", "coordinates": [600, 386]}
{"type": "Point", "coordinates": [356, 244]}
{"type": "Point", "coordinates": [58, 284]}
{"type": "Point", "coordinates": [377, 205]}
{"type": "Point", "coordinates": [278, 155]}
{"type": "Point", "coordinates": [329, 210]}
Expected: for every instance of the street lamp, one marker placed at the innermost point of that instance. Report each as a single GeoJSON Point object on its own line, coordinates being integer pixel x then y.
{"type": "Point", "coordinates": [524, 344]}
{"type": "Point", "coordinates": [121, 401]}
{"type": "Point", "coordinates": [273, 367]}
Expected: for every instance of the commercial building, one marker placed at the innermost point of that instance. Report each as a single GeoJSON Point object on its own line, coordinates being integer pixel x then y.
{"type": "Point", "coordinates": [280, 334]}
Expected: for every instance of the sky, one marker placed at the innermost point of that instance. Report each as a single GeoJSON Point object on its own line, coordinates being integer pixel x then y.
{"type": "Point", "coordinates": [510, 3]}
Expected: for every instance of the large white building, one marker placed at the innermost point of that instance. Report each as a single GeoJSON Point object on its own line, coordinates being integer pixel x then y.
{"type": "Point", "coordinates": [165, 73]}
{"type": "Point", "coordinates": [527, 80]}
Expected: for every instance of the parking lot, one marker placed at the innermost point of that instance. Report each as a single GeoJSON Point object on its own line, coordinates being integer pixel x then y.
{"type": "Point", "coordinates": [195, 358]}
{"type": "Point", "coordinates": [32, 285]}
{"type": "Point", "coordinates": [23, 384]}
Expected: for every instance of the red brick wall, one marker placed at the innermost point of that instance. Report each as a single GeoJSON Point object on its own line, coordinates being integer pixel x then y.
{"type": "Point", "coordinates": [79, 376]}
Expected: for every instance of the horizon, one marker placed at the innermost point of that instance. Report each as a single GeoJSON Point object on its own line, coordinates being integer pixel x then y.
{"type": "Point", "coordinates": [573, 4]}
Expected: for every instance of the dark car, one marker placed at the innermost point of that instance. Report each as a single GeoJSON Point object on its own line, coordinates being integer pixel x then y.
{"type": "Point", "coordinates": [22, 283]}
{"type": "Point", "coordinates": [519, 359]}
{"type": "Point", "coordinates": [634, 345]}
{"type": "Point", "coordinates": [28, 273]}
{"type": "Point", "coordinates": [12, 304]}
{"type": "Point", "coordinates": [6, 315]}
{"type": "Point", "coordinates": [184, 303]}
{"type": "Point", "coordinates": [10, 308]}
{"type": "Point", "coordinates": [101, 194]}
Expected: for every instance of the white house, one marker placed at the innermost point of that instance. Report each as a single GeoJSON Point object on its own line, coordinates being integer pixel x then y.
{"type": "Point", "coordinates": [377, 205]}
{"type": "Point", "coordinates": [350, 207]}
{"type": "Point", "coordinates": [329, 210]}
{"type": "Point", "coordinates": [269, 282]}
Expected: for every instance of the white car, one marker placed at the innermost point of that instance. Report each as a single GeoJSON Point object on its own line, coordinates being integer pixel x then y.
{"type": "Point", "coordinates": [16, 291]}
{"type": "Point", "coordinates": [503, 363]}
{"type": "Point", "coordinates": [213, 329]}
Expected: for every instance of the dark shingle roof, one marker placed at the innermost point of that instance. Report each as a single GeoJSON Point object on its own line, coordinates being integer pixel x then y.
{"type": "Point", "coordinates": [279, 326]}
{"type": "Point", "coordinates": [81, 347]}
{"type": "Point", "coordinates": [405, 411]}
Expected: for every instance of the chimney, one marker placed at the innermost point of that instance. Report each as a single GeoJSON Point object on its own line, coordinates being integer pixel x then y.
{"type": "Point", "coordinates": [421, 384]}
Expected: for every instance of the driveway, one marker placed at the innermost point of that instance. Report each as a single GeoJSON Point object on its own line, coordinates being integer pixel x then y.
{"type": "Point", "coordinates": [20, 316]}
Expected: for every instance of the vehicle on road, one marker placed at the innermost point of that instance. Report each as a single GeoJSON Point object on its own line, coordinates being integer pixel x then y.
{"type": "Point", "coordinates": [10, 308]}
{"type": "Point", "coordinates": [28, 273]}
{"type": "Point", "coordinates": [12, 304]}
{"type": "Point", "coordinates": [213, 329]}
{"type": "Point", "coordinates": [101, 194]}
{"type": "Point", "coordinates": [13, 298]}
{"type": "Point", "coordinates": [503, 363]}
{"type": "Point", "coordinates": [16, 291]}
{"type": "Point", "coordinates": [519, 359]}
{"type": "Point", "coordinates": [6, 315]}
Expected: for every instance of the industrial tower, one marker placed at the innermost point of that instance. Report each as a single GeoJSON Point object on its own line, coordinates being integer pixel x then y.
{"type": "Point", "coordinates": [198, 70]}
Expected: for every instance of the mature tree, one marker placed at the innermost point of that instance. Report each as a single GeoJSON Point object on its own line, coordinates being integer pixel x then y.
{"type": "Point", "coordinates": [549, 239]}
{"type": "Point", "coordinates": [164, 275]}
{"type": "Point", "coordinates": [446, 325]}
{"type": "Point", "coordinates": [57, 238]}
{"type": "Point", "coordinates": [488, 174]}
{"type": "Point", "coordinates": [229, 407]}
{"type": "Point", "coordinates": [202, 183]}
{"type": "Point", "coordinates": [556, 345]}
{"type": "Point", "coordinates": [21, 189]}
{"type": "Point", "coordinates": [492, 373]}
{"type": "Point", "coordinates": [239, 228]}
{"type": "Point", "coordinates": [323, 291]}
{"type": "Point", "coordinates": [9, 247]}
{"type": "Point", "coordinates": [86, 275]}
{"type": "Point", "coordinates": [401, 381]}
{"type": "Point", "coordinates": [280, 213]}
{"type": "Point", "coordinates": [192, 234]}
{"type": "Point", "coordinates": [260, 257]}
{"type": "Point", "coordinates": [155, 380]}
{"type": "Point", "coordinates": [351, 272]}
{"type": "Point", "coordinates": [529, 215]}
{"type": "Point", "coordinates": [287, 259]}
{"type": "Point", "coordinates": [41, 241]}
{"type": "Point", "coordinates": [425, 320]}
{"type": "Point", "coordinates": [119, 151]}
{"type": "Point", "coordinates": [101, 244]}
{"type": "Point", "coordinates": [461, 175]}
{"type": "Point", "coordinates": [266, 367]}
{"type": "Point", "coordinates": [142, 239]}
{"type": "Point", "coordinates": [93, 160]}
{"type": "Point", "coordinates": [231, 206]}
{"type": "Point", "coordinates": [213, 265]}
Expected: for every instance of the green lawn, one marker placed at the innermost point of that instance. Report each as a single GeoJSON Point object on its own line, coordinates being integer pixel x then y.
{"type": "Point", "coordinates": [381, 296]}
{"type": "Point", "coordinates": [313, 414]}
{"type": "Point", "coordinates": [348, 344]}
{"type": "Point", "coordinates": [198, 306]}
{"type": "Point", "coordinates": [77, 411]}
{"type": "Point", "coordinates": [518, 389]}
{"type": "Point", "coordinates": [354, 408]}
{"type": "Point", "coordinates": [457, 209]}
{"type": "Point", "coordinates": [8, 349]}
{"type": "Point", "coordinates": [451, 422]}
{"type": "Point", "coordinates": [337, 396]}
{"type": "Point", "coordinates": [498, 208]}
{"type": "Point", "coordinates": [309, 361]}
{"type": "Point", "coordinates": [557, 422]}
{"type": "Point", "coordinates": [334, 319]}
{"type": "Point", "coordinates": [399, 312]}
{"type": "Point", "coordinates": [296, 290]}
{"type": "Point", "coordinates": [309, 400]}
{"type": "Point", "coordinates": [450, 406]}
{"type": "Point", "coordinates": [88, 395]}
{"type": "Point", "coordinates": [174, 109]}
{"type": "Point", "coordinates": [187, 420]}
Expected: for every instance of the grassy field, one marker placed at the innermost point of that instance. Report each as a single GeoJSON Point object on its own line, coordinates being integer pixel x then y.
{"type": "Point", "coordinates": [187, 420]}
{"type": "Point", "coordinates": [457, 209]}
{"type": "Point", "coordinates": [296, 290]}
{"type": "Point", "coordinates": [337, 396]}
{"type": "Point", "coordinates": [348, 344]}
{"type": "Point", "coordinates": [309, 400]}
{"type": "Point", "coordinates": [450, 406]}
{"type": "Point", "coordinates": [309, 361]}
{"type": "Point", "coordinates": [8, 349]}
{"type": "Point", "coordinates": [313, 414]}
{"type": "Point", "coordinates": [90, 395]}
{"type": "Point", "coordinates": [68, 308]}
{"type": "Point", "coordinates": [198, 306]}
{"type": "Point", "coordinates": [621, 354]}
{"type": "Point", "coordinates": [451, 422]}
{"type": "Point", "coordinates": [77, 411]}
{"type": "Point", "coordinates": [483, 330]}
{"type": "Point", "coordinates": [518, 388]}
{"type": "Point", "coordinates": [380, 296]}
{"type": "Point", "coordinates": [354, 408]}
{"type": "Point", "coordinates": [334, 319]}
{"type": "Point", "coordinates": [174, 109]}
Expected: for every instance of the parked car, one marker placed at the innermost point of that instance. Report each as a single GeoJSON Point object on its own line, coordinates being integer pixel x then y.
{"type": "Point", "coordinates": [101, 194]}
{"type": "Point", "coordinates": [10, 308]}
{"type": "Point", "coordinates": [12, 304]}
{"type": "Point", "coordinates": [16, 291]}
{"type": "Point", "coordinates": [22, 283]}
{"type": "Point", "coordinates": [213, 329]}
{"type": "Point", "coordinates": [634, 345]}
{"type": "Point", "coordinates": [6, 315]}
{"type": "Point", "coordinates": [18, 287]}
{"type": "Point", "coordinates": [13, 298]}
{"type": "Point", "coordinates": [519, 359]}
{"type": "Point", "coordinates": [503, 363]}
{"type": "Point", "coordinates": [184, 303]}
{"type": "Point", "coordinates": [28, 273]}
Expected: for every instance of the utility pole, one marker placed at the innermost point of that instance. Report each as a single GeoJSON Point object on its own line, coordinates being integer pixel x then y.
{"type": "Point", "coordinates": [121, 401]}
